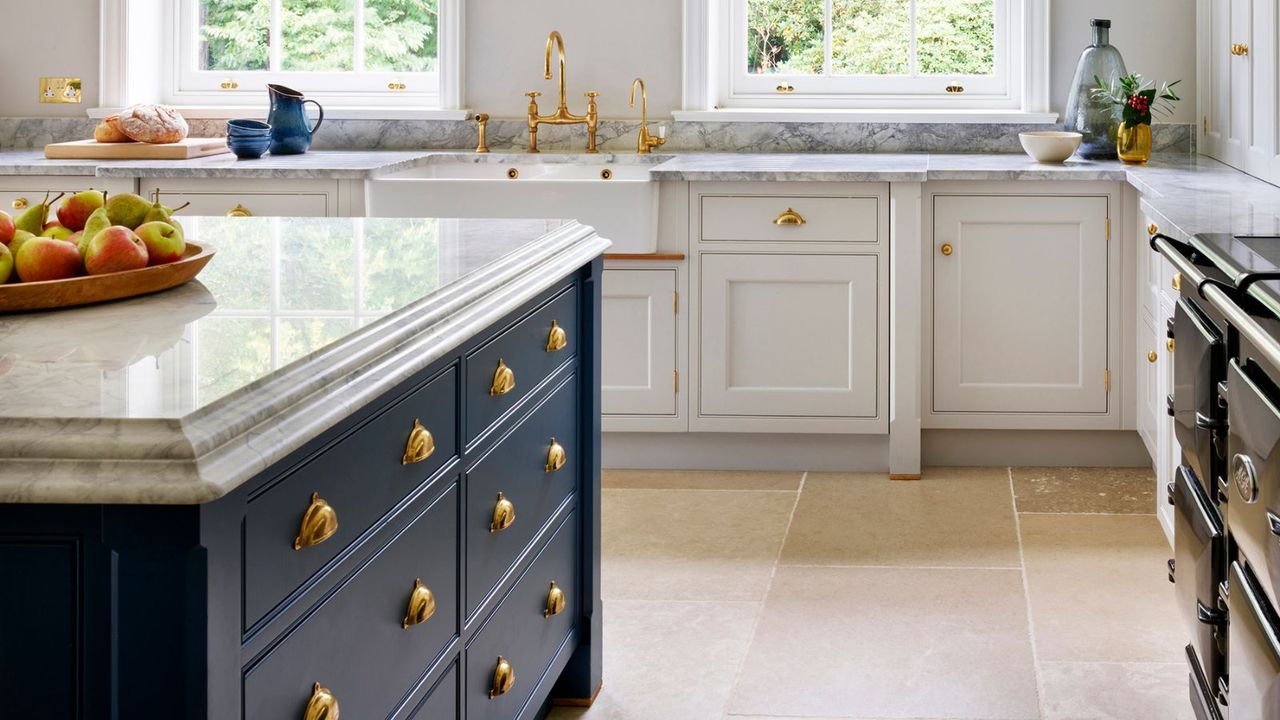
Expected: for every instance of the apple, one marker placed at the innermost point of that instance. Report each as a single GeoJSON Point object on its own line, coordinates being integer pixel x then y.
{"type": "Point", "coordinates": [75, 210]}
{"type": "Point", "coordinates": [115, 249]}
{"type": "Point", "coordinates": [164, 242]}
{"type": "Point", "coordinates": [7, 228]}
{"type": "Point", "coordinates": [44, 258]}
{"type": "Point", "coordinates": [19, 237]}
{"type": "Point", "coordinates": [6, 263]}
{"type": "Point", "coordinates": [55, 230]}
{"type": "Point", "coordinates": [74, 238]}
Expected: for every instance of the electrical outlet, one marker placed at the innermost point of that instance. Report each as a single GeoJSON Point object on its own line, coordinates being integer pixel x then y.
{"type": "Point", "coordinates": [60, 90]}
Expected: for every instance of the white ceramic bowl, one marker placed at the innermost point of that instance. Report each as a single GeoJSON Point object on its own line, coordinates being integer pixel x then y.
{"type": "Point", "coordinates": [1050, 146]}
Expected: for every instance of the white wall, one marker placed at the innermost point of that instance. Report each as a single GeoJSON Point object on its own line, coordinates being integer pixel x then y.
{"type": "Point", "coordinates": [607, 44]}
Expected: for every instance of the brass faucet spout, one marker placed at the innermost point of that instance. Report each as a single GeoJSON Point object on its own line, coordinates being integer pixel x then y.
{"type": "Point", "coordinates": [555, 39]}
{"type": "Point", "coordinates": [645, 142]}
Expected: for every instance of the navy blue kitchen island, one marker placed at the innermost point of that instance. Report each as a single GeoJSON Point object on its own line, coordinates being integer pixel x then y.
{"type": "Point", "coordinates": [226, 501]}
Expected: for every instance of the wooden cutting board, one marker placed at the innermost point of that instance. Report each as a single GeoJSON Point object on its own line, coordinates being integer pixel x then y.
{"type": "Point", "coordinates": [94, 150]}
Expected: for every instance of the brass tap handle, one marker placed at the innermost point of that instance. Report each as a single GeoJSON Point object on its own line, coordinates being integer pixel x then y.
{"type": "Point", "coordinates": [422, 605]}
{"type": "Point", "coordinates": [482, 120]}
{"type": "Point", "coordinates": [504, 677]}
{"type": "Point", "coordinates": [555, 601]}
{"type": "Point", "coordinates": [420, 445]}
{"type": "Point", "coordinates": [504, 514]}
{"type": "Point", "coordinates": [319, 523]}
{"type": "Point", "coordinates": [323, 705]}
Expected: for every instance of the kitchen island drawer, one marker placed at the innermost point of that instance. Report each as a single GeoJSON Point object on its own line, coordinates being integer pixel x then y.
{"type": "Point", "coordinates": [372, 641]}
{"type": "Point", "coordinates": [287, 536]}
{"type": "Point", "coordinates": [529, 472]}
{"type": "Point", "coordinates": [788, 218]}
{"type": "Point", "coordinates": [503, 371]}
{"type": "Point", "coordinates": [442, 702]}
{"type": "Point", "coordinates": [525, 631]}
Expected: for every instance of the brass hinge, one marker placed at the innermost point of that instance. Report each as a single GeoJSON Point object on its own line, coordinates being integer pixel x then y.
{"type": "Point", "coordinates": [675, 382]}
{"type": "Point", "coordinates": [1204, 125]}
{"type": "Point", "coordinates": [675, 302]}
{"type": "Point", "coordinates": [1108, 229]}
{"type": "Point", "coordinates": [1106, 380]}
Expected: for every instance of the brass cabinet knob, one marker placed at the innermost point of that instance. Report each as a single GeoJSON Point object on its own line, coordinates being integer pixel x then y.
{"type": "Point", "coordinates": [1152, 229]}
{"type": "Point", "coordinates": [322, 705]}
{"type": "Point", "coordinates": [557, 338]}
{"type": "Point", "coordinates": [1169, 344]}
{"type": "Point", "coordinates": [504, 678]}
{"type": "Point", "coordinates": [555, 601]}
{"type": "Point", "coordinates": [789, 217]}
{"type": "Point", "coordinates": [1152, 356]}
{"type": "Point", "coordinates": [556, 456]}
{"type": "Point", "coordinates": [420, 445]}
{"type": "Point", "coordinates": [1176, 282]}
{"type": "Point", "coordinates": [239, 211]}
{"type": "Point", "coordinates": [947, 249]}
{"type": "Point", "coordinates": [504, 514]}
{"type": "Point", "coordinates": [504, 380]}
{"type": "Point", "coordinates": [319, 523]}
{"type": "Point", "coordinates": [20, 203]}
{"type": "Point", "coordinates": [422, 605]}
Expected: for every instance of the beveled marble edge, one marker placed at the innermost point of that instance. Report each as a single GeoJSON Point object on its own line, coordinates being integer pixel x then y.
{"type": "Point", "coordinates": [210, 453]}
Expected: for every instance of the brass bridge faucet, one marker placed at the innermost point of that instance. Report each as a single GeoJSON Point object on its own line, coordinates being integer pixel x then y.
{"type": "Point", "coordinates": [562, 116]}
{"type": "Point", "coordinates": [645, 143]}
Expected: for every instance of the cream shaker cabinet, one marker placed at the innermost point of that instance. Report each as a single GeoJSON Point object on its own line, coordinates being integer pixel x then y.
{"type": "Point", "coordinates": [260, 198]}
{"type": "Point", "coordinates": [1239, 106]}
{"type": "Point", "coordinates": [17, 193]}
{"type": "Point", "coordinates": [638, 335]}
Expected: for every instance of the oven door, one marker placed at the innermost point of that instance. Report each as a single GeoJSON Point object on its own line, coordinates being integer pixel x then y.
{"type": "Point", "coordinates": [1199, 365]}
{"type": "Point", "coordinates": [1199, 567]}
{"type": "Point", "coordinates": [1255, 648]}
{"type": "Point", "coordinates": [1253, 508]}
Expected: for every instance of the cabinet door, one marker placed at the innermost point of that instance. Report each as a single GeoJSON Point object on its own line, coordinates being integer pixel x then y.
{"type": "Point", "coordinates": [1233, 83]}
{"type": "Point", "coordinates": [789, 335]}
{"type": "Point", "coordinates": [639, 342]}
{"type": "Point", "coordinates": [1259, 66]}
{"type": "Point", "coordinates": [1150, 403]}
{"type": "Point", "coordinates": [1020, 304]}
{"type": "Point", "coordinates": [1169, 453]}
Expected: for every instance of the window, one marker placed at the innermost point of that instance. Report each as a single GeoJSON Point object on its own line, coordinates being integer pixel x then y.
{"type": "Point", "coordinates": [868, 54]}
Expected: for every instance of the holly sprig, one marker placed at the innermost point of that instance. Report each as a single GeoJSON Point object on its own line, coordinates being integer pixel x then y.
{"type": "Point", "coordinates": [1140, 99]}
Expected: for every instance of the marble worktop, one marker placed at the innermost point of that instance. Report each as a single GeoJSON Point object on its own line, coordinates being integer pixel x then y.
{"type": "Point", "coordinates": [181, 396]}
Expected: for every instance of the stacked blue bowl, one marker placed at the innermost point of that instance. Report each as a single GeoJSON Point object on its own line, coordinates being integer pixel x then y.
{"type": "Point", "coordinates": [248, 139]}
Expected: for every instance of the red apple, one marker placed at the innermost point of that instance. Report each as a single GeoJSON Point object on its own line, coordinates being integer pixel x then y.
{"type": "Point", "coordinates": [55, 230]}
{"type": "Point", "coordinates": [115, 249]}
{"type": "Point", "coordinates": [7, 228]}
{"type": "Point", "coordinates": [44, 258]}
{"type": "Point", "coordinates": [74, 238]}
{"type": "Point", "coordinates": [6, 263]}
{"type": "Point", "coordinates": [164, 242]}
{"type": "Point", "coordinates": [74, 212]}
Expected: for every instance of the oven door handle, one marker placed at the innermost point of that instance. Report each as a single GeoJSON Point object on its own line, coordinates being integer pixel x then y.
{"type": "Point", "coordinates": [1244, 323]}
{"type": "Point", "coordinates": [1173, 251]}
{"type": "Point", "coordinates": [1273, 521]}
{"type": "Point", "coordinates": [1204, 422]}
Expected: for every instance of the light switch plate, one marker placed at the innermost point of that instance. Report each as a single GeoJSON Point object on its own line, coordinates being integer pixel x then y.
{"type": "Point", "coordinates": [60, 90]}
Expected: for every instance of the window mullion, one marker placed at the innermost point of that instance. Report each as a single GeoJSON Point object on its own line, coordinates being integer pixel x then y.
{"type": "Point", "coordinates": [828, 28]}
{"type": "Point", "coordinates": [914, 64]}
{"type": "Point", "coordinates": [358, 43]}
{"type": "Point", "coordinates": [276, 39]}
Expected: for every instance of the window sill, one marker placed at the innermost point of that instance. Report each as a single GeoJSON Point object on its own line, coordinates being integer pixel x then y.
{"type": "Point", "coordinates": [227, 112]}
{"type": "Point", "coordinates": [799, 115]}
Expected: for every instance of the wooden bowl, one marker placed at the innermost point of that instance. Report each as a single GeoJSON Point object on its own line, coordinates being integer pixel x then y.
{"type": "Point", "coordinates": [47, 294]}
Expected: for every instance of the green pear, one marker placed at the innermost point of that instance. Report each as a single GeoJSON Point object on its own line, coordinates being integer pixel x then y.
{"type": "Point", "coordinates": [160, 213]}
{"type": "Point", "coordinates": [97, 222]}
{"type": "Point", "coordinates": [19, 237]}
{"type": "Point", "coordinates": [33, 218]}
{"type": "Point", "coordinates": [127, 209]}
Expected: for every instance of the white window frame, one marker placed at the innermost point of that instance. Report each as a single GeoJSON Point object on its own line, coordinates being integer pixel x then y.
{"type": "Point", "coordinates": [717, 86]}
{"type": "Point", "coordinates": [167, 72]}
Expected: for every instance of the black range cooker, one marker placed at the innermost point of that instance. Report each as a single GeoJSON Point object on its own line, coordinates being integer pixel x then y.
{"type": "Point", "coordinates": [1226, 493]}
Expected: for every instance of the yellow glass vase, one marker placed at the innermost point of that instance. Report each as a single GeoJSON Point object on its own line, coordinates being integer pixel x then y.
{"type": "Point", "coordinates": [1133, 143]}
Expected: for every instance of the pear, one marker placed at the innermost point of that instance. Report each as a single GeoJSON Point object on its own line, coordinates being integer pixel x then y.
{"type": "Point", "coordinates": [19, 237]}
{"type": "Point", "coordinates": [33, 218]}
{"type": "Point", "coordinates": [97, 222]}
{"type": "Point", "coordinates": [160, 213]}
{"type": "Point", "coordinates": [128, 210]}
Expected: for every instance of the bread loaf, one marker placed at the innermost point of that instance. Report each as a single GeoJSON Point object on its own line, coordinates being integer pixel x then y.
{"type": "Point", "coordinates": [153, 124]}
{"type": "Point", "coordinates": [108, 131]}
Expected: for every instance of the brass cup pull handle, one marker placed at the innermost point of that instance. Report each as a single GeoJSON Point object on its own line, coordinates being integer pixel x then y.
{"type": "Point", "coordinates": [322, 705]}
{"type": "Point", "coordinates": [420, 445]}
{"type": "Point", "coordinates": [504, 380]}
{"type": "Point", "coordinates": [557, 338]}
{"type": "Point", "coordinates": [1239, 49]}
{"type": "Point", "coordinates": [422, 605]}
{"type": "Point", "coordinates": [556, 456]}
{"type": "Point", "coordinates": [946, 249]}
{"type": "Point", "coordinates": [1152, 356]}
{"type": "Point", "coordinates": [555, 601]}
{"type": "Point", "coordinates": [1152, 229]}
{"type": "Point", "coordinates": [789, 217]}
{"type": "Point", "coordinates": [504, 678]}
{"type": "Point", "coordinates": [20, 203]}
{"type": "Point", "coordinates": [1169, 344]}
{"type": "Point", "coordinates": [319, 523]}
{"type": "Point", "coordinates": [504, 514]}
{"type": "Point", "coordinates": [239, 211]}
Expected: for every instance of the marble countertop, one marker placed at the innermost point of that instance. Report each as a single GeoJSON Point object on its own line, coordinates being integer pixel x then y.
{"type": "Point", "coordinates": [191, 392]}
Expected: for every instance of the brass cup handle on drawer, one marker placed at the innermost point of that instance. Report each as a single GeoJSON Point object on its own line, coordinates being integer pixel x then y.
{"type": "Point", "coordinates": [504, 514]}
{"type": "Point", "coordinates": [1152, 356]}
{"type": "Point", "coordinates": [1152, 229]}
{"type": "Point", "coordinates": [319, 523]}
{"type": "Point", "coordinates": [946, 249]}
{"type": "Point", "coordinates": [789, 217]}
{"type": "Point", "coordinates": [422, 605]}
{"type": "Point", "coordinates": [555, 601]}
{"type": "Point", "coordinates": [322, 705]}
{"type": "Point", "coordinates": [504, 678]}
{"type": "Point", "coordinates": [20, 203]}
{"type": "Point", "coordinates": [556, 456]}
{"type": "Point", "coordinates": [557, 338]}
{"type": "Point", "coordinates": [239, 211]}
{"type": "Point", "coordinates": [420, 445]}
{"type": "Point", "coordinates": [1239, 49]}
{"type": "Point", "coordinates": [1169, 344]}
{"type": "Point", "coordinates": [504, 380]}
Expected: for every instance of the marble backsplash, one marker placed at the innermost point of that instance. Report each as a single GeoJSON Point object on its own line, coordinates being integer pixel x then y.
{"type": "Point", "coordinates": [620, 135]}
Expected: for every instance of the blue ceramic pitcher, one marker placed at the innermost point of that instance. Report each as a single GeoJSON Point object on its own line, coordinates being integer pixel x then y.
{"type": "Point", "coordinates": [288, 118]}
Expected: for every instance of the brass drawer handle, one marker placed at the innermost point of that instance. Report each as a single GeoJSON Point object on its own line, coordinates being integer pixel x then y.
{"type": "Point", "coordinates": [946, 249]}
{"type": "Point", "coordinates": [322, 705]}
{"type": "Point", "coordinates": [557, 339]}
{"type": "Point", "coordinates": [1239, 49]}
{"type": "Point", "coordinates": [789, 217]}
{"type": "Point", "coordinates": [1152, 229]}
{"type": "Point", "coordinates": [555, 456]}
{"type": "Point", "coordinates": [1176, 282]}
{"type": "Point", "coordinates": [239, 211]}
{"type": "Point", "coordinates": [504, 380]}
{"type": "Point", "coordinates": [785, 88]}
{"type": "Point", "coordinates": [555, 601]}
{"type": "Point", "coordinates": [319, 523]}
{"type": "Point", "coordinates": [20, 203]}
{"type": "Point", "coordinates": [504, 514]}
{"type": "Point", "coordinates": [229, 84]}
{"type": "Point", "coordinates": [422, 605]}
{"type": "Point", "coordinates": [1152, 356]}
{"type": "Point", "coordinates": [420, 446]}
{"type": "Point", "coordinates": [504, 677]}
{"type": "Point", "coordinates": [1169, 344]}
{"type": "Point", "coordinates": [955, 89]}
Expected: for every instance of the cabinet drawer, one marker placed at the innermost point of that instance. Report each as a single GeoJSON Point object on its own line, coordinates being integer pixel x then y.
{"type": "Point", "coordinates": [442, 703]}
{"type": "Point", "coordinates": [523, 350]}
{"type": "Point", "coordinates": [825, 219]}
{"type": "Point", "coordinates": [517, 468]}
{"type": "Point", "coordinates": [361, 478]}
{"type": "Point", "coordinates": [356, 644]}
{"type": "Point", "coordinates": [521, 632]}
{"type": "Point", "coordinates": [256, 204]}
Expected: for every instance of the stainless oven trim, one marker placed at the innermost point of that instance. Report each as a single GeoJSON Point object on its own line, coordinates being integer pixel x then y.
{"type": "Point", "coordinates": [1179, 261]}
{"type": "Point", "coordinates": [1244, 323]}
